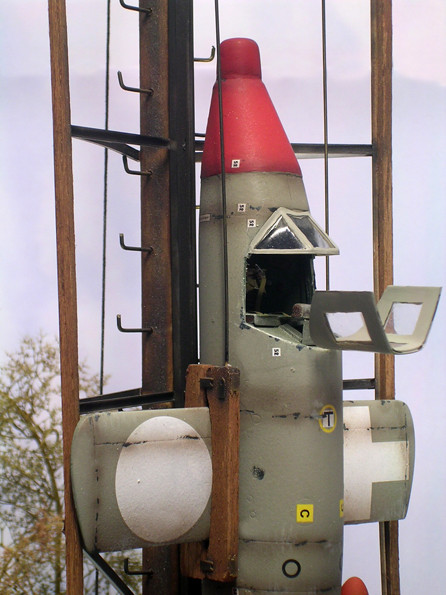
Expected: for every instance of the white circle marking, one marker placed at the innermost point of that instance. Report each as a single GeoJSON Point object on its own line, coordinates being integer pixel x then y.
{"type": "Point", "coordinates": [163, 479]}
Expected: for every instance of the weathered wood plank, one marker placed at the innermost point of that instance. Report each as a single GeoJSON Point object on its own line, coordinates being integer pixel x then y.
{"type": "Point", "coordinates": [63, 177]}
{"type": "Point", "coordinates": [156, 284]}
{"type": "Point", "coordinates": [220, 392]}
{"type": "Point", "coordinates": [381, 48]}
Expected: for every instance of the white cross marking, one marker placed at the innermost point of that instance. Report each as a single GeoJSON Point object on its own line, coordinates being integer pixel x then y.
{"type": "Point", "coordinates": [367, 462]}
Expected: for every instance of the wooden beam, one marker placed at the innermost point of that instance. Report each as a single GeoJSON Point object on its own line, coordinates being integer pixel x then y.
{"type": "Point", "coordinates": [217, 388]}
{"type": "Point", "coordinates": [381, 55]}
{"type": "Point", "coordinates": [156, 276]}
{"type": "Point", "coordinates": [63, 178]}
{"type": "Point", "coordinates": [156, 283]}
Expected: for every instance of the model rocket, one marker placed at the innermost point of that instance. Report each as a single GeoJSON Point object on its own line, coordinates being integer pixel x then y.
{"type": "Point", "coordinates": [309, 462]}
{"type": "Point", "coordinates": [293, 503]}
{"type": "Point", "coordinates": [291, 438]}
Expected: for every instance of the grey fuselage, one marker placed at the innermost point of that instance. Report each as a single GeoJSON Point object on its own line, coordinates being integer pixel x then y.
{"type": "Point", "coordinates": [291, 439]}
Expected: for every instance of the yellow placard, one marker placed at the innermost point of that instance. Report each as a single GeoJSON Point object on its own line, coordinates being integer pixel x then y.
{"type": "Point", "coordinates": [304, 513]}
{"type": "Point", "coordinates": [328, 418]}
{"type": "Point", "coordinates": [341, 508]}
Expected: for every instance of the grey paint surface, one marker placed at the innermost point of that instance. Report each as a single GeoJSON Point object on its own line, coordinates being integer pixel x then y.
{"type": "Point", "coordinates": [286, 458]}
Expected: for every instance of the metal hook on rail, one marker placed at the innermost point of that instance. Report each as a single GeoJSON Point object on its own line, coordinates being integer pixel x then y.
{"type": "Point", "coordinates": [136, 572]}
{"type": "Point", "coordinates": [133, 248]}
{"type": "Point", "coordinates": [132, 171]}
{"type": "Point", "coordinates": [137, 8]}
{"type": "Point", "coordinates": [148, 330]}
{"type": "Point", "coordinates": [211, 57]}
{"type": "Point", "coordinates": [132, 89]}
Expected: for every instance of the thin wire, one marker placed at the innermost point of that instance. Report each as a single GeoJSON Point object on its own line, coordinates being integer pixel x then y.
{"type": "Point", "coordinates": [104, 227]}
{"type": "Point", "coordinates": [104, 220]}
{"type": "Point", "coordinates": [325, 93]}
{"type": "Point", "coordinates": [223, 184]}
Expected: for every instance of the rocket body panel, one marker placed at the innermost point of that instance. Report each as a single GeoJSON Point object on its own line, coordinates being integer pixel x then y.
{"type": "Point", "coordinates": [289, 452]}
{"type": "Point", "coordinates": [287, 456]}
{"type": "Point", "coordinates": [251, 197]}
{"type": "Point", "coordinates": [289, 568]}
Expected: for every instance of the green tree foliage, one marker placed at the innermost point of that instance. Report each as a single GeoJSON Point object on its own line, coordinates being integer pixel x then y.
{"type": "Point", "coordinates": [32, 554]}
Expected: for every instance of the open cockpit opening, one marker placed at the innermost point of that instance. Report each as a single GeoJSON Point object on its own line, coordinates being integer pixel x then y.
{"type": "Point", "coordinates": [275, 283]}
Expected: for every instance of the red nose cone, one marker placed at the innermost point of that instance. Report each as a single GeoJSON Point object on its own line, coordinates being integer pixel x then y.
{"type": "Point", "coordinates": [354, 586]}
{"type": "Point", "coordinates": [254, 138]}
{"type": "Point", "coordinates": [240, 57]}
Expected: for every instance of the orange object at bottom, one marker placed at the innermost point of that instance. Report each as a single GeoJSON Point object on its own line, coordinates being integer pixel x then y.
{"type": "Point", "coordinates": [354, 586]}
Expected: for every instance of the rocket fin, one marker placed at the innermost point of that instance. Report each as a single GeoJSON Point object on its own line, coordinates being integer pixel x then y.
{"type": "Point", "coordinates": [379, 449]}
{"type": "Point", "coordinates": [350, 320]}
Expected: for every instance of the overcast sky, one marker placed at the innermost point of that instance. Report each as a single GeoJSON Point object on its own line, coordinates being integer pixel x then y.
{"type": "Point", "coordinates": [288, 33]}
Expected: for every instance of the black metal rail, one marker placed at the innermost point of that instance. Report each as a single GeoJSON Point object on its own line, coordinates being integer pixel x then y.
{"type": "Point", "coordinates": [122, 400]}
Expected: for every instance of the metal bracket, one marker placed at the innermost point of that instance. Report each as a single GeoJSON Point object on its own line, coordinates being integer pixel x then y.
{"type": "Point", "coordinates": [127, 570]}
{"type": "Point", "coordinates": [132, 89]}
{"type": "Point", "coordinates": [146, 11]}
{"type": "Point", "coordinates": [207, 566]}
{"type": "Point", "coordinates": [213, 384]}
{"type": "Point", "coordinates": [206, 383]}
{"type": "Point", "coordinates": [148, 330]}
{"type": "Point", "coordinates": [211, 57]}
{"type": "Point", "coordinates": [132, 171]}
{"type": "Point", "coordinates": [133, 248]}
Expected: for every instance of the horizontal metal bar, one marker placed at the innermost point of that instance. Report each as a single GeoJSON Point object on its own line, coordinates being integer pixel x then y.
{"type": "Point", "coordinates": [311, 150]}
{"type": "Point", "coordinates": [334, 150]}
{"type": "Point", "coordinates": [114, 136]}
{"type": "Point", "coordinates": [120, 400]}
{"type": "Point", "coordinates": [120, 148]}
{"type": "Point", "coordinates": [359, 384]}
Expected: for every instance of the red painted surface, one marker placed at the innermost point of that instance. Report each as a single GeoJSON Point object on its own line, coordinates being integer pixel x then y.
{"type": "Point", "coordinates": [253, 135]}
{"type": "Point", "coordinates": [354, 586]}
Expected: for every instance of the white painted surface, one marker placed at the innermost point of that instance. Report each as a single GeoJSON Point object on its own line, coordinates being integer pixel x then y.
{"type": "Point", "coordinates": [163, 479]}
{"type": "Point", "coordinates": [366, 462]}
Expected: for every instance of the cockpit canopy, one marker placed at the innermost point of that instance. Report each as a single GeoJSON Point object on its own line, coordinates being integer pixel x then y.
{"type": "Point", "coordinates": [292, 232]}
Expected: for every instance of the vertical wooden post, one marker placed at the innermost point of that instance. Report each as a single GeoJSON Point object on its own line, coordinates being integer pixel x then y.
{"type": "Point", "coordinates": [381, 51]}
{"type": "Point", "coordinates": [217, 387]}
{"type": "Point", "coordinates": [156, 283]}
{"type": "Point", "coordinates": [156, 275]}
{"type": "Point", "coordinates": [167, 224]}
{"type": "Point", "coordinates": [63, 177]}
